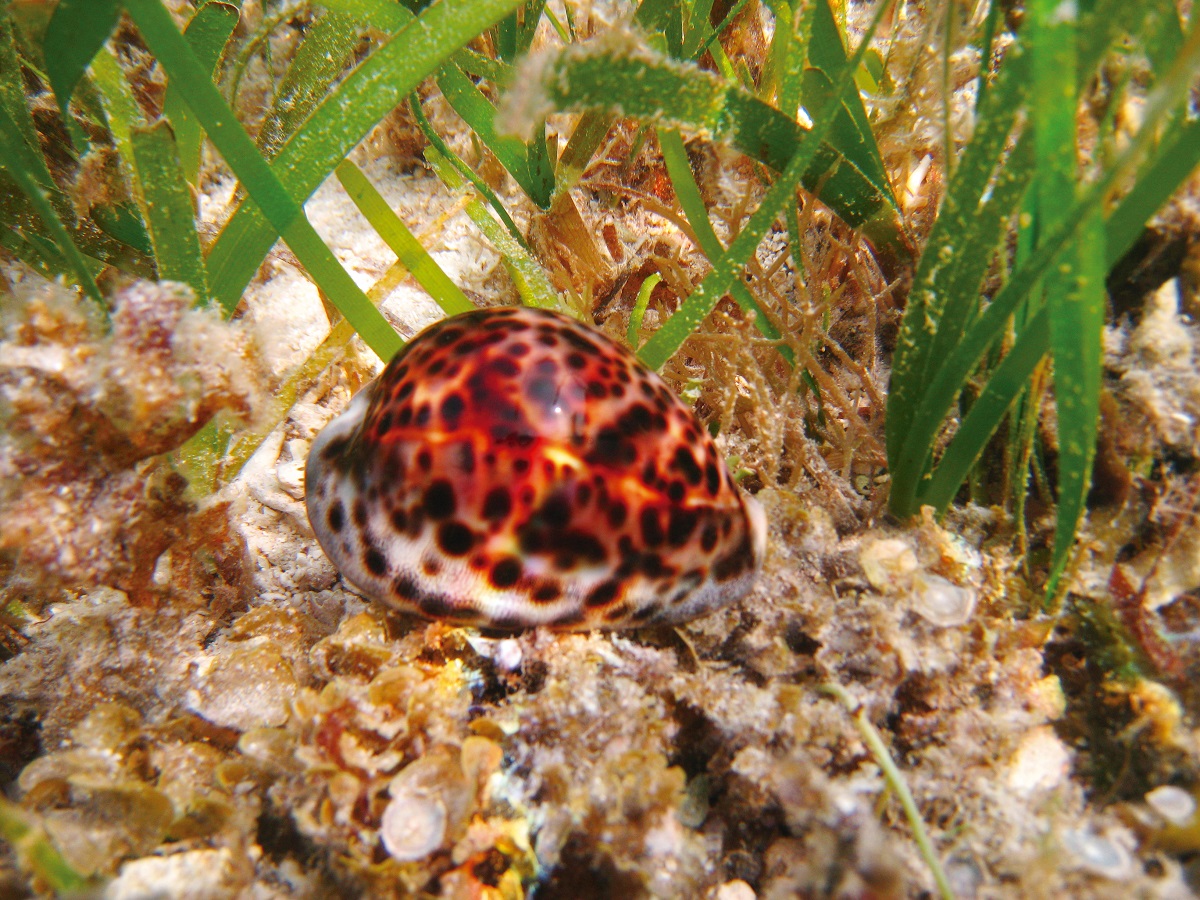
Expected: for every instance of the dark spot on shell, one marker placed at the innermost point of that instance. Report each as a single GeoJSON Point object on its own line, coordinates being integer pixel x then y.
{"type": "Point", "coordinates": [607, 448]}
{"type": "Point", "coordinates": [360, 513]}
{"type": "Point", "coordinates": [504, 367]}
{"type": "Point", "coordinates": [375, 562]}
{"type": "Point", "coordinates": [572, 545]}
{"type": "Point", "coordinates": [603, 594]}
{"type": "Point", "coordinates": [431, 566]}
{"type": "Point", "coordinates": [712, 478]}
{"type": "Point", "coordinates": [547, 592]}
{"type": "Point", "coordinates": [649, 611]}
{"type": "Point", "coordinates": [636, 420]}
{"type": "Point", "coordinates": [617, 513]}
{"type": "Point", "coordinates": [439, 499]}
{"type": "Point", "coordinates": [334, 449]}
{"type": "Point", "coordinates": [337, 516]}
{"type": "Point", "coordinates": [425, 460]}
{"type": "Point", "coordinates": [651, 565]}
{"type": "Point", "coordinates": [506, 572]}
{"type": "Point", "coordinates": [579, 342]}
{"type": "Point", "coordinates": [687, 464]}
{"type": "Point", "coordinates": [680, 526]}
{"type": "Point", "coordinates": [393, 467]}
{"type": "Point", "coordinates": [611, 448]}
{"type": "Point", "coordinates": [416, 521]}
{"type": "Point", "coordinates": [438, 607]}
{"type": "Point", "coordinates": [405, 588]}
{"type": "Point", "coordinates": [497, 504]}
{"type": "Point", "coordinates": [455, 538]}
{"type": "Point", "coordinates": [652, 533]}
{"type": "Point", "coordinates": [708, 538]}
{"type": "Point", "coordinates": [555, 512]}
{"type": "Point", "coordinates": [452, 410]}
{"type": "Point", "coordinates": [531, 539]}
{"type": "Point", "coordinates": [506, 437]}
{"type": "Point", "coordinates": [676, 491]}
{"type": "Point", "coordinates": [424, 412]}
{"type": "Point", "coordinates": [735, 562]}
{"type": "Point", "coordinates": [576, 360]}
{"type": "Point", "coordinates": [399, 519]}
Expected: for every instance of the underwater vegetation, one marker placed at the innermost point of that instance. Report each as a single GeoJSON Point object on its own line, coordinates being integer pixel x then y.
{"type": "Point", "coordinates": [902, 542]}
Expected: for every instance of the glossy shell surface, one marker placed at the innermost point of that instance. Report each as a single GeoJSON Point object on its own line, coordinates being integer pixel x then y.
{"type": "Point", "coordinates": [512, 468]}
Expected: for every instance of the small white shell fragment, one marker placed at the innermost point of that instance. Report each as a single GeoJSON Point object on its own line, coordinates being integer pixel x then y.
{"type": "Point", "coordinates": [291, 477]}
{"type": "Point", "coordinates": [1046, 698]}
{"type": "Point", "coordinates": [889, 564]}
{"type": "Point", "coordinates": [508, 655]}
{"type": "Point", "coordinates": [242, 686]}
{"type": "Point", "coordinates": [734, 890]}
{"type": "Point", "coordinates": [413, 826]}
{"type": "Point", "coordinates": [912, 186]}
{"type": "Point", "coordinates": [1099, 855]}
{"type": "Point", "coordinates": [1174, 804]}
{"type": "Point", "coordinates": [941, 602]}
{"type": "Point", "coordinates": [1041, 763]}
{"type": "Point", "coordinates": [162, 570]}
{"type": "Point", "coordinates": [194, 874]}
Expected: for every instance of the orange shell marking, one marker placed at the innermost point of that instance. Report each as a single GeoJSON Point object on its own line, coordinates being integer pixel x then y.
{"type": "Point", "coordinates": [512, 468]}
